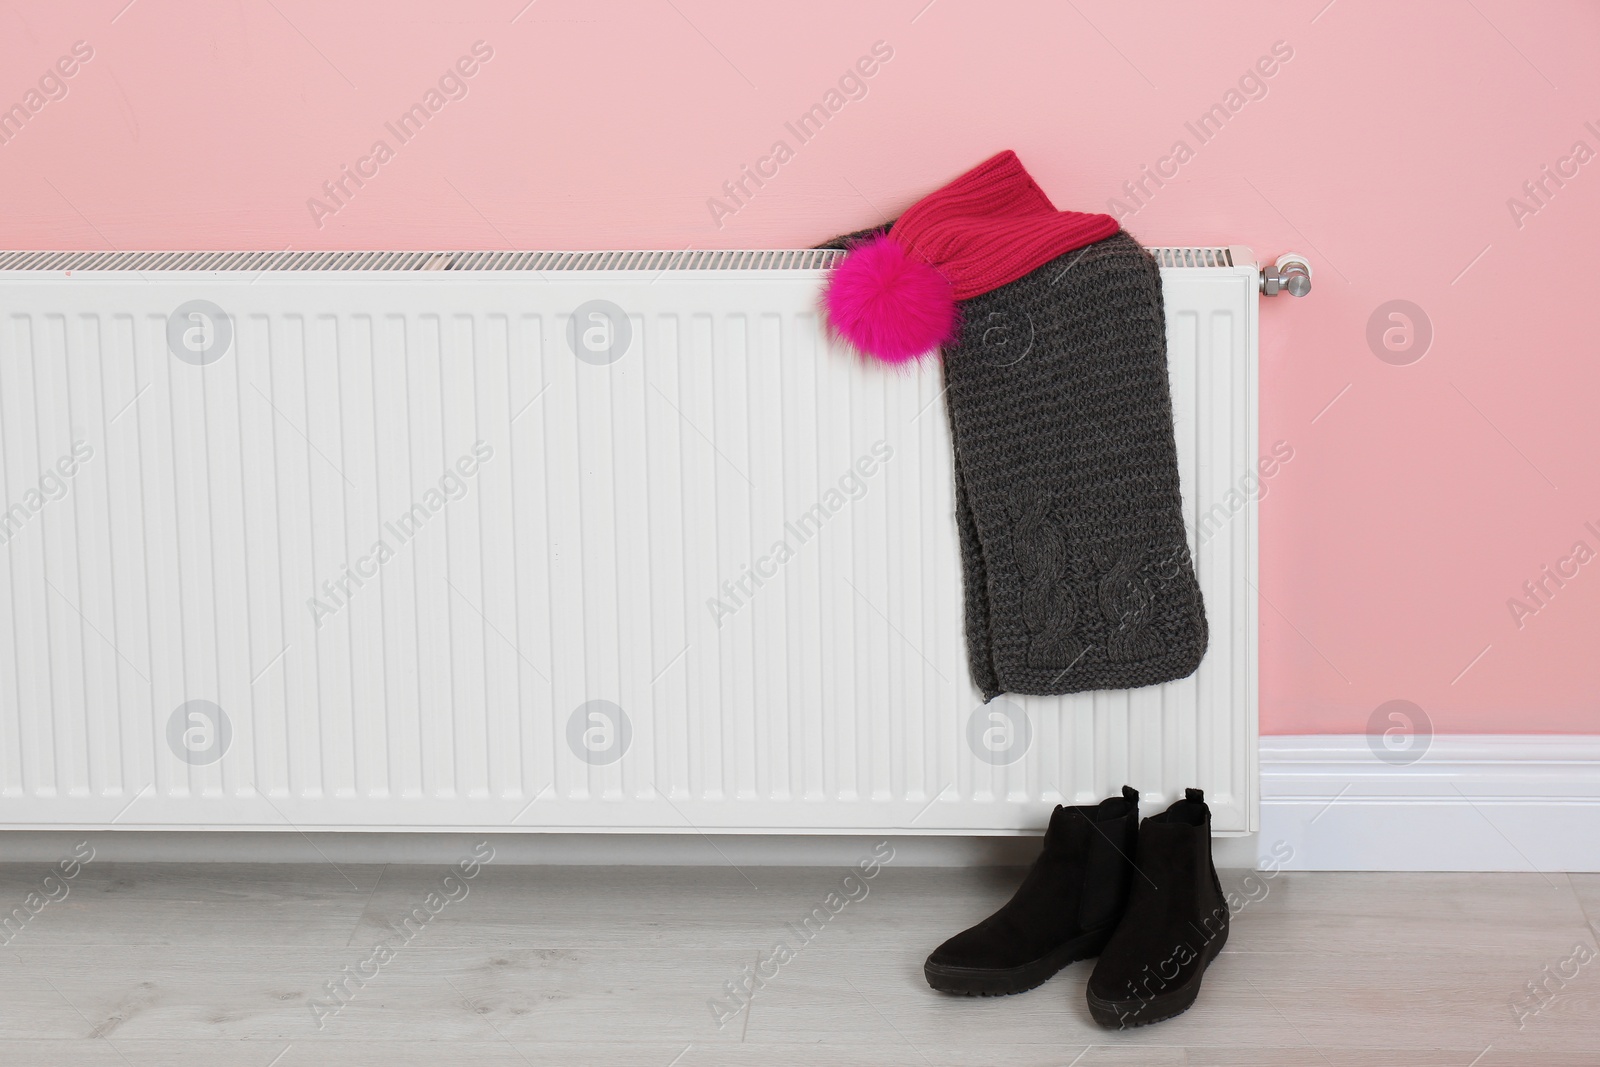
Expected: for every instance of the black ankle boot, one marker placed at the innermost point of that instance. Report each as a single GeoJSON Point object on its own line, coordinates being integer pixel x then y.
{"type": "Point", "coordinates": [1175, 923]}
{"type": "Point", "coordinates": [1065, 909]}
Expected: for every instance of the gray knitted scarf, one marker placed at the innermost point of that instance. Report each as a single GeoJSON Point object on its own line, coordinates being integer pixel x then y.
{"type": "Point", "coordinates": [1076, 564]}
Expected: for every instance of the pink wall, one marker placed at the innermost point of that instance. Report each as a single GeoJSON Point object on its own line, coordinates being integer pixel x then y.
{"type": "Point", "coordinates": [1386, 149]}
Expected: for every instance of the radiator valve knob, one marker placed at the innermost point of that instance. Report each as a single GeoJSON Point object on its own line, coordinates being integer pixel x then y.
{"type": "Point", "coordinates": [1291, 274]}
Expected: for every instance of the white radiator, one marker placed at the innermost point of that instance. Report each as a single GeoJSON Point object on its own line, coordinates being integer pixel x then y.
{"type": "Point", "coordinates": [544, 541]}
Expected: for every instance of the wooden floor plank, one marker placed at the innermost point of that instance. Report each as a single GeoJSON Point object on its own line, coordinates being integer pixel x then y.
{"type": "Point", "coordinates": [158, 964]}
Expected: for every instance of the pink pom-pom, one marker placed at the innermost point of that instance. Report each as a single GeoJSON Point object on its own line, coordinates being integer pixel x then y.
{"type": "Point", "coordinates": [888, 304]}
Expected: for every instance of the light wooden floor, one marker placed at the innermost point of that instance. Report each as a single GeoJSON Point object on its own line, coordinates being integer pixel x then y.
{"type": "Point", "coordinates": [216, 965]}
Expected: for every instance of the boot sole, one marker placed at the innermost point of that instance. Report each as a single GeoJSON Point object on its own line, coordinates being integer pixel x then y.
{"type": "Point", "coordinates": [1133, 1012]}
{"type": "Point", "coordinates": [1000, 982]}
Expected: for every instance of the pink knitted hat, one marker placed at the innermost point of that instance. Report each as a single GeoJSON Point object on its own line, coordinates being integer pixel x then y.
{"type": "Point", "coordinates": [894, 296]}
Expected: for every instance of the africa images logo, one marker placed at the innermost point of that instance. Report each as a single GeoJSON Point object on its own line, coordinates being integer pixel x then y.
{"type": "Point", "coordinates": [599, 333]}
{"type": "Point", "coordinates": [199, 333]}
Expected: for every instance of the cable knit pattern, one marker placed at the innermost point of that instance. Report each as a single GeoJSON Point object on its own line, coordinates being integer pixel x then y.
{"type": "Point", "coordinates": [1127, 598]}
{"type": "Point", "coordinates": [1073, 547]}
{"type": "Point", "coordinates": [1048, 610]}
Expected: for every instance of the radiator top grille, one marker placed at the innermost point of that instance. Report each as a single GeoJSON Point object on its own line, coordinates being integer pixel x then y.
{"type": "Point", "coordinates": [1193, 257]}
{"type": "Point", "coordinates": [679, 260]}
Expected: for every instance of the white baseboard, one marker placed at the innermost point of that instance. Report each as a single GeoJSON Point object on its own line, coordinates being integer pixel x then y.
{"type": "Point", "coordinates": [1470, 803]}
